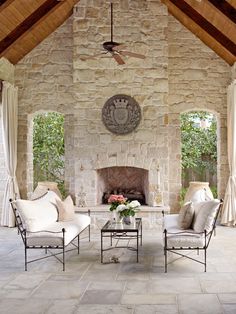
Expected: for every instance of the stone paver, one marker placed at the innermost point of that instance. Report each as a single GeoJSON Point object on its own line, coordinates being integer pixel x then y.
{"type": "Point", "coordinates": [87, 286]}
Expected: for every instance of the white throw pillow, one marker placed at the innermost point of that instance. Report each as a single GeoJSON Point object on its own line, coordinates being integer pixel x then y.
{"type": "Point", "coordinates": [66, 210]}
{"type": "Point", "coordinates": [36, 215]}
{"type": "Point", "coordinates": [185, 217]}
{"type": "Point", "coordinates": [205, 213]}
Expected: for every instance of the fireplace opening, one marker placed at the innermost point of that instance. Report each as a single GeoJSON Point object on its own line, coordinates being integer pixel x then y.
{"type": "Point", "coordinates": [131, 182]}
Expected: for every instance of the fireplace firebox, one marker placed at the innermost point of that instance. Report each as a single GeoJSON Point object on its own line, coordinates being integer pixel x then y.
{"type": "Point", "coordinates": [132, 182]}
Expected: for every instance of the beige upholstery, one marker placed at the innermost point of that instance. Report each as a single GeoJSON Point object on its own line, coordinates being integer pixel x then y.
{"type": "Point", "coordinates": [197, 237]}
{"type": "Point", "coordinates": [66, 210]}
{"type": "Point", "coordinates": [186, 216]}
{"type": "Point", "coordinates": [37, 214]}
{"type": "Point", "coordinates": [204, 214]}
{"type": "Point", "coordinates": [53, 233]}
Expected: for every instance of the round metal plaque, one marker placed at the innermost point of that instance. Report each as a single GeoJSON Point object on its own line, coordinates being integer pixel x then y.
{"type": "Point", "coordinates": [121, 114]}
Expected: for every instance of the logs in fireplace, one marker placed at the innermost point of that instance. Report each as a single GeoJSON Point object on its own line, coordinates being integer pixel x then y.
{"type": "Point", "coordinates": [131, 195]}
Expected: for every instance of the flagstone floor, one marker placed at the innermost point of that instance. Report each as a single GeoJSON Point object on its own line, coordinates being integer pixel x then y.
{"type": "Point", "coordinates": [87, 286]}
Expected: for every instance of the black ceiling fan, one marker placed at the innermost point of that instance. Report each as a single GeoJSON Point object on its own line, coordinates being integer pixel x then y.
{"type": "Point", "coordinates": [116, 50]}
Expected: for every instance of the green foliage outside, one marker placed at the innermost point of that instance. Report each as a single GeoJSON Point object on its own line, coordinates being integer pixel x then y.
{"type": "Point", "coordinates": [199, 146]}
{"type": "Point", "coordinates": [48, 149]}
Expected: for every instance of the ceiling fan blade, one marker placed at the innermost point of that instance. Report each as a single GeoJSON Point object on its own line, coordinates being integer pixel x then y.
{"type": "Point", "coordinates": [119, 47]}
{"type": "Point", "coordinates": [118, 58]}
{"type": "Point", "coordinates": [132, 54]}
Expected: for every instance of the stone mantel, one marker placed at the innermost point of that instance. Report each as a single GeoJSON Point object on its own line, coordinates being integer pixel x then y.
{"type": "Point", "coordinates": [151, 216]}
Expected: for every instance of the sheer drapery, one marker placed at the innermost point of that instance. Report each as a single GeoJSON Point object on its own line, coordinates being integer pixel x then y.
{"type": "Point", "coordinates": [228, 216]}
{"type": "Point", "coordinates": [9, 131]}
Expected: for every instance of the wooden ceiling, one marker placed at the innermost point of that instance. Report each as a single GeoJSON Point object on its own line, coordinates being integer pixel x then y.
{"type": "Point", "coordinates": [25, 23]}
{"type": "Point", "coordinates": [212, 21]}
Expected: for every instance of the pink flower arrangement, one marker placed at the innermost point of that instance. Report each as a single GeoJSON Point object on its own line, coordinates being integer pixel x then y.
{"type": "Point", "coordinates": [116, 200]}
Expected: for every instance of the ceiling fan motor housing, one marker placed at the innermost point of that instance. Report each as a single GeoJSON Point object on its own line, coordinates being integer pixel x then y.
{"type": "Point", "coordinates": [109, 45]}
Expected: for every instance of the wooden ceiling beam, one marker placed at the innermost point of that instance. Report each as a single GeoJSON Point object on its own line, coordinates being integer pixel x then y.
{"type": "Point", "coordinates": [215, 17]}
{"type": "Point", "coordinates": [203, 35]}
{"type": "Point", "coordinates": [39, 31]}
{"type": "Point", "coordinates": [226, 8]}
{"type": "Point", "coordinates": [27, 24]}
{"type": "Point", "coordinates": [205, 25]}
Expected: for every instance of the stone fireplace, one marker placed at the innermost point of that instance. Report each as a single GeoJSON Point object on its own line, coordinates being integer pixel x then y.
{"type": "Point", "coordinates": [131, 182]}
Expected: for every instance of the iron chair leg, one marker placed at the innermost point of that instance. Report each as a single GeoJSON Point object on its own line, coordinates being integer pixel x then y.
{"type": "Point", "coordinates": [25, 258]}
{"type": "Point", "coordinates": [63, 256]}
{"type": "Point", "coordinates": [165, 251]}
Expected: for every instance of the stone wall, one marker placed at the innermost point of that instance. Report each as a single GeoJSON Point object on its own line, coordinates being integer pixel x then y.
{"type": "Point", "coordinates": [142, 26]}
{"type": "Point", "coordinates": [179, 74]}
{"type": "Point", "coordinates": [44, 78]}
{"type": "Point", "coordinates": [198, 80]}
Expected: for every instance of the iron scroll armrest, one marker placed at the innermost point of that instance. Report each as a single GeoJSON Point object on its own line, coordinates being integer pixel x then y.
{"type": "Point", "coordinates": [34, 232]}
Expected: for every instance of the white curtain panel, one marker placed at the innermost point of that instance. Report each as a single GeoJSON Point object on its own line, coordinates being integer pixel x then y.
{"type": "Point", "coordinates": [228, 216]}
{"type": "Point", "coordinates": [9, 128]}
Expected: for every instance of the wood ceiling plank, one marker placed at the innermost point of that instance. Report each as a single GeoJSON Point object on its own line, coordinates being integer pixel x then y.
{"type": "Point", "coordinates": [4, 4]}
{"type": "Point", "coordinates": [27, 23]}
{"type": "Point", "coordinates": [205, 25]}
{"type": "Point", "coordinates": [215, 17]}
{"type": "Point", "coordinates": [55, 18]}
{"type": "Point", "coordinates": [16, 13]}
{"type": "Point", "coordinates": [200, 33]}
{"type": "Point", "coordinates": [226, 8]}
{"type": "Point", "coordinates": [232, 2]}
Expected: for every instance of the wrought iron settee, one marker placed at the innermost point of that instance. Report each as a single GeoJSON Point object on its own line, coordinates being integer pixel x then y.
{"type": "Point", "coordinates": [197, 237]}
{"type": "Point", "coordinates": [38, 225]}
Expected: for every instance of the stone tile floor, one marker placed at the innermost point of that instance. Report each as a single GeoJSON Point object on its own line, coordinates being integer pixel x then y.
{"type": "Point", "coordinates": [87, 286]}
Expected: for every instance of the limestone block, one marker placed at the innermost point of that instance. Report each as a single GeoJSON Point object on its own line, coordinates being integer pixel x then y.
{"type": "Point", "coordinates": [105, 139]}
{"type": "Point", "coordinates": [6, 70]}
{"type": "Point", "coordinates": [83, 76]}
{"type": "Point", "coordinates": [150, 112]}
{"type": "Point", "coordinates": [92, 12]}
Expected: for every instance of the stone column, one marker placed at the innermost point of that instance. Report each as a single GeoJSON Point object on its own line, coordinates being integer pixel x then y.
{"type": "Point", "coordinates": [24, 171]}
{"type": "Point", "coordinates": [70, 156]}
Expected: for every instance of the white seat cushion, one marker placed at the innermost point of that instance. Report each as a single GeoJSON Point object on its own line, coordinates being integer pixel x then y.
{"type": "Point", "coordinates": [185, 238]}
{"type": "Point", "coordinates": [72, 229]}
{"type": "Point", "coordinates": [185, 241]}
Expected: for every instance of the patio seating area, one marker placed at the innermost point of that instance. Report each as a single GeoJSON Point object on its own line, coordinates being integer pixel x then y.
{"type": "Point", "coordinates": [88, 286]}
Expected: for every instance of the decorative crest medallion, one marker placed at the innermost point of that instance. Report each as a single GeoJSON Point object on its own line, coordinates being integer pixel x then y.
{"type": "Point", "coordinates": [121, 114]}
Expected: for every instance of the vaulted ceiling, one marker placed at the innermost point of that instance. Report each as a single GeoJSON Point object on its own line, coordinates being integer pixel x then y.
{"type": "Point", "coordinates": [213, 21]}
{"type": "Point", "coordinates": [25, 23]}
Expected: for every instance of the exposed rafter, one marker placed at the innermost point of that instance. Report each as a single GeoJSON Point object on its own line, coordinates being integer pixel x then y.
{"type": "Point", "coordinates": [44, 9]}
{"type": "Point", "coordinates": [38, 19]}
{"type": "Point", "coordinates": [197, 18]}
{"type": "Point", "coordinates": [225, 8]}
{"type": "Point", "coordinates": [25, 23]}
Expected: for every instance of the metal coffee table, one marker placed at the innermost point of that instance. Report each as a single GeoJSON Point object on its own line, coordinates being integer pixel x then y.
{"type": "Point", "coordinates": [120, 231]}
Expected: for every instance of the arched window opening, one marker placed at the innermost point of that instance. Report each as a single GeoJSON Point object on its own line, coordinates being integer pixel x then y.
{"type": "Point", "coordinates": [199, 149]}
{"type": "Point", "coordinates": [49, 149]}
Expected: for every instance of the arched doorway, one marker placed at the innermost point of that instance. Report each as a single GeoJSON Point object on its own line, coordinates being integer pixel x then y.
{"type": "Point", "coordinates": [199, 149]}
{"type": "Point", "coordinates": [49, 149]}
